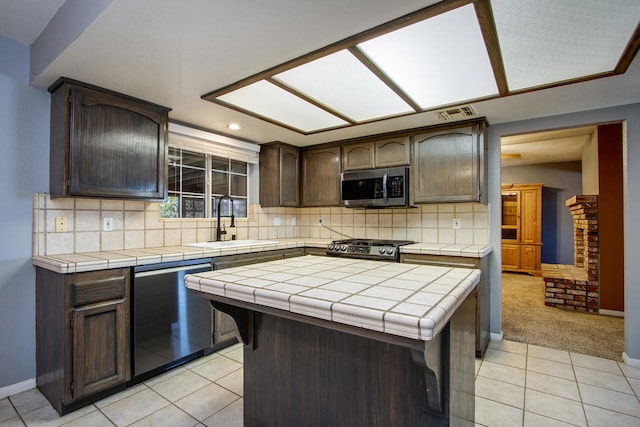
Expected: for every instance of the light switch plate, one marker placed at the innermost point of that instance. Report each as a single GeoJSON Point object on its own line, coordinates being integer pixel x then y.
{"type": "Point", "coordinates": [61, 224]}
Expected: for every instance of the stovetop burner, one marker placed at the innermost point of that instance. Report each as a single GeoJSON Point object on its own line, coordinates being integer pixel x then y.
{"type": "Point", "coordinates": [367, 248]}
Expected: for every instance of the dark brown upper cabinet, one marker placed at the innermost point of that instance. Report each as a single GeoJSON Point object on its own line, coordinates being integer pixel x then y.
{"type": "Point", "coordinates": [449, 165]}
{"type": "Point", "coordinates": [106, 144]}
{"type": "Point", "coordinates": [321, 176]}
{"type": "Point", "coordinates": [279, 175]}
{"type": "Point", "coordinates": [393, 152]}
{"type": "Point", "coordinates": [376, 154]}
{"type": "Point", "coordinates": [359, 155]}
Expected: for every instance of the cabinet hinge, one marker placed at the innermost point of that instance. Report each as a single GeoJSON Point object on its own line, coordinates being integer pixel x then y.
{"type": "Point", "coordinates": [71, 388]}
{"type": "Point", "coordinates": [71, 321]}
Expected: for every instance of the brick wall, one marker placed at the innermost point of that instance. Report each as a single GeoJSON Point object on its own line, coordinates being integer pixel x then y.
{"type": "Point", "coordinates": [577, 287]}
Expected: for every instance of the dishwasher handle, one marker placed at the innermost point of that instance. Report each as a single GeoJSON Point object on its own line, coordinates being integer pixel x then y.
{"type": "Point", "coordinates": [173, 270]}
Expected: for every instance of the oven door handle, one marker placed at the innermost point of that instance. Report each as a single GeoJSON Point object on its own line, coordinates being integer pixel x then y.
{"type": "Point", "coordinates": [384, 187]}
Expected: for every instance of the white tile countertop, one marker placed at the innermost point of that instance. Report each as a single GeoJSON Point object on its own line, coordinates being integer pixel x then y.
{"type": "Point", "coordinates": [90, 261]}
{"type": "Point", "coordinates": [473, 251]}
{"type": "Point", "coordinates": [407, 300]}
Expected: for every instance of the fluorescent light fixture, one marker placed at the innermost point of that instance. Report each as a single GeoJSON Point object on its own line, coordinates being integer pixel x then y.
{"type": "Point", "coordinates": [270, 101]}
{"type": "Point", "coordinates": [439, 61]}
{"type": "Point", "coordinates": [546, 41]}
{"type": "Point", "coordinates": [447, 54]}
{"type": "Point", "coordinates": [234, 126]}
{"type": "Point", "coordinates": [344, 84]}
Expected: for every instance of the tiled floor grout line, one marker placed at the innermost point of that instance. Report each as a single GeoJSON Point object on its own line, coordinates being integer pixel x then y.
{"type": "Point", "coordinates": [526, 378]}
{"type": "Point", "coordinates": [503, 357]}
{"type": "Point", "coordinates": [103, 414]}
{"type": "Point", "coordinates": [575, 376]}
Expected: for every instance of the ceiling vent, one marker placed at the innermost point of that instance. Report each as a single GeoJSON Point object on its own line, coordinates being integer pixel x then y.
{"type": "Point", "coordinates": [456, 113]}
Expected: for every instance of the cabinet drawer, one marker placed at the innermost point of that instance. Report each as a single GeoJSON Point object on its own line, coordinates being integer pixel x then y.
{"type": "Point", "coordinates": [97, 289]}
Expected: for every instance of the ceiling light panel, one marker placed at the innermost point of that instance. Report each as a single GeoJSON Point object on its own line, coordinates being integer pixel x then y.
{"type": "Point", "coordinates": [344, 84]}
{"type": "Point", "coordinates": [440, 61]}
{"type": "Point", "coordinates": [270, 101]}
{"type": "Point", "coordinates": [548, 41]}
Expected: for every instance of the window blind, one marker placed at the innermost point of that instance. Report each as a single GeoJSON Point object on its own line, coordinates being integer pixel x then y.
{"type": "Point", "coordinates": [200, 141]}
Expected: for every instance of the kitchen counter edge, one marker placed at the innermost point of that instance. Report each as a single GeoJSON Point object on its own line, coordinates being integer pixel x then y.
{"type": "Point", "coordinates": [103, 260]}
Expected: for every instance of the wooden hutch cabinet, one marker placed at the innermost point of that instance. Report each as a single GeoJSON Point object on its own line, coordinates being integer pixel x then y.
{"type": "Point", "coordinates": [82, 335]}
{"type": "Point", "coordinates": [279, 175]}
{"type": "Point", "coordinates": [106, 144]}
{"type": "Point", "coordinates": [521, 227]}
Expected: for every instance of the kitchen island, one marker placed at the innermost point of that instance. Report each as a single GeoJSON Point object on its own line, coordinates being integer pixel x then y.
{"type": "Point", "coordinates": [335, 341]}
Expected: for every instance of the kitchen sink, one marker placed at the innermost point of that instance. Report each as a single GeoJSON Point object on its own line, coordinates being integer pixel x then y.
{"type": "Point", "coordinates": [231, 243]}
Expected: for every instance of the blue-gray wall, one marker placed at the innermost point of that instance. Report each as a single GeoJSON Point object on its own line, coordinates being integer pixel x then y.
{"type": "Point", "coordinates": [24, 171]}
{"type": "Point", "coordinates": [24, 139]}
{"type": "Point", "coordinates": [561, 182]}
{"type": "Point", "coordinates": [630, 115]}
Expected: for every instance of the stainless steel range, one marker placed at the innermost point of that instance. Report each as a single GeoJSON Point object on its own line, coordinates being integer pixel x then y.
{"type": "Point", "coordinates": [367, 249]}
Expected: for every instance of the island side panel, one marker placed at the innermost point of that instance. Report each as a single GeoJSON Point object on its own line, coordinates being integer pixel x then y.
{"type": "Point", "coordinates": [462, 352]}
{"type": "Point", "coordinates": [301, 374]}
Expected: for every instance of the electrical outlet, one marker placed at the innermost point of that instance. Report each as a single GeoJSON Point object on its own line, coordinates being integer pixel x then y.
{"type": "Point", "coordinates": [457, 224]}
{"type": "Point", "coordinates": [61, 224]}
{"type": "Point", "coordinates": [107, 223]}
{"type": "Point", "coordinates": [321, 221]}
{"type": "Point", "coordinates": [277, 221]}
{"type": "Point", "coordinates": [293, 220]}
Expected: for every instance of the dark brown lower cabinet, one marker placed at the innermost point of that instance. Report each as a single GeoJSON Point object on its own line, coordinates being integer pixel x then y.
{"type": "Point", "coordinates": [225, 327]}
{"type": "Point", "coordinates": [483, 334]}
{"type": "Point", "coordinates": [82, 335]}
{"type": "Point", "coordinates": [302, 371]}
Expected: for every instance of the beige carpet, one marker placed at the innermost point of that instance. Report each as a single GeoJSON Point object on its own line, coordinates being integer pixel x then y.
{"type": "Point", "coordinates": [526, 319]}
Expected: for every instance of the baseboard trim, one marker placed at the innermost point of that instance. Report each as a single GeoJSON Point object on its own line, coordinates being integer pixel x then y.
{"type": "Point", "coordinates": [496, 337]}
{"type": "Point", "coordinates": [615, 313]}
{"type": "Point", "coordinates": [630, 361]}
{"type": "Point", "coordinates": [12, 389]}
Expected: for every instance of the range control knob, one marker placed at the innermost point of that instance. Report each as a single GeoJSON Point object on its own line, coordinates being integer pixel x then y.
{"type": "Point", "coordinates": [381, 251]}
{"type": "Point", "coordinates": [330, 246]}
{"type": "Point", "coordinates": [344, 248]}
{"type": "Point", "coordinates": [390, 251]}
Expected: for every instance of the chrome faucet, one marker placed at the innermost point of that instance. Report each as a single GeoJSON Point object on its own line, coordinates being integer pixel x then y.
{"type": "Point", "coordinates": [221, 232]}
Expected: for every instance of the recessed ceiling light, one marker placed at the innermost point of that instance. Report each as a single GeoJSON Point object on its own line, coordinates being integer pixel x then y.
{"type": "Point", "coordinates": [234, 126]}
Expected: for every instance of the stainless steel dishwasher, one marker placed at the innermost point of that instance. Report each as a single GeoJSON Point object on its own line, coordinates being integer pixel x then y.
{"type": "Point", "coordinates": [169, 325]}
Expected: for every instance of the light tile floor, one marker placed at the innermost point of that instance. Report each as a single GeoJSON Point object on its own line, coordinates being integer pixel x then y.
{"type": "Point", "coordinates": [516, 385]}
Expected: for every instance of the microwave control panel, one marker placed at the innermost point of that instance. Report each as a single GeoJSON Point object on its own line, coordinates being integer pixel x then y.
{"type": "Point", "coordinates": [395, 186]}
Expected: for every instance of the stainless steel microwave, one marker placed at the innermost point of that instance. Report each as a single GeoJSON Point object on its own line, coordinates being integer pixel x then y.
{"type": "Point", "coordinates": [375, 188]}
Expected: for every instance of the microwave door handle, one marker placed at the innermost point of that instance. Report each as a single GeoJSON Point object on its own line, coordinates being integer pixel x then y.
{"type": "Point", "coordinates": [384, 187]}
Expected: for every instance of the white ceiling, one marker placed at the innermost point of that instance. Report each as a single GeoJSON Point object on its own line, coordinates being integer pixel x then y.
{"type": "Point", "coordinates": [24, 20]}
{"type": "Point", "coordinates": [556, 146]}
{"type": "Point", "coordinates": [172, 52]}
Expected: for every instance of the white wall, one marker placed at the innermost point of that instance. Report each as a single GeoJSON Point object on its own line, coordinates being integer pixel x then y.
{"type": "Point", "coordinates": [631, 173]}
{"type": "Point", "coordinates": [590, 183]}
{"type": "Point", "coordinates": [24, 141]}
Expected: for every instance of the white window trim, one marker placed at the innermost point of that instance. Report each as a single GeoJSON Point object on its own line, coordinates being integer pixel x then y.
{"type": "Point", "coordinates": [200, 141]}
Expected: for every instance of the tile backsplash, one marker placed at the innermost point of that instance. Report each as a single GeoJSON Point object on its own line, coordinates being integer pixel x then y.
{"type": "Point", "coordinates": [137, 224]}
